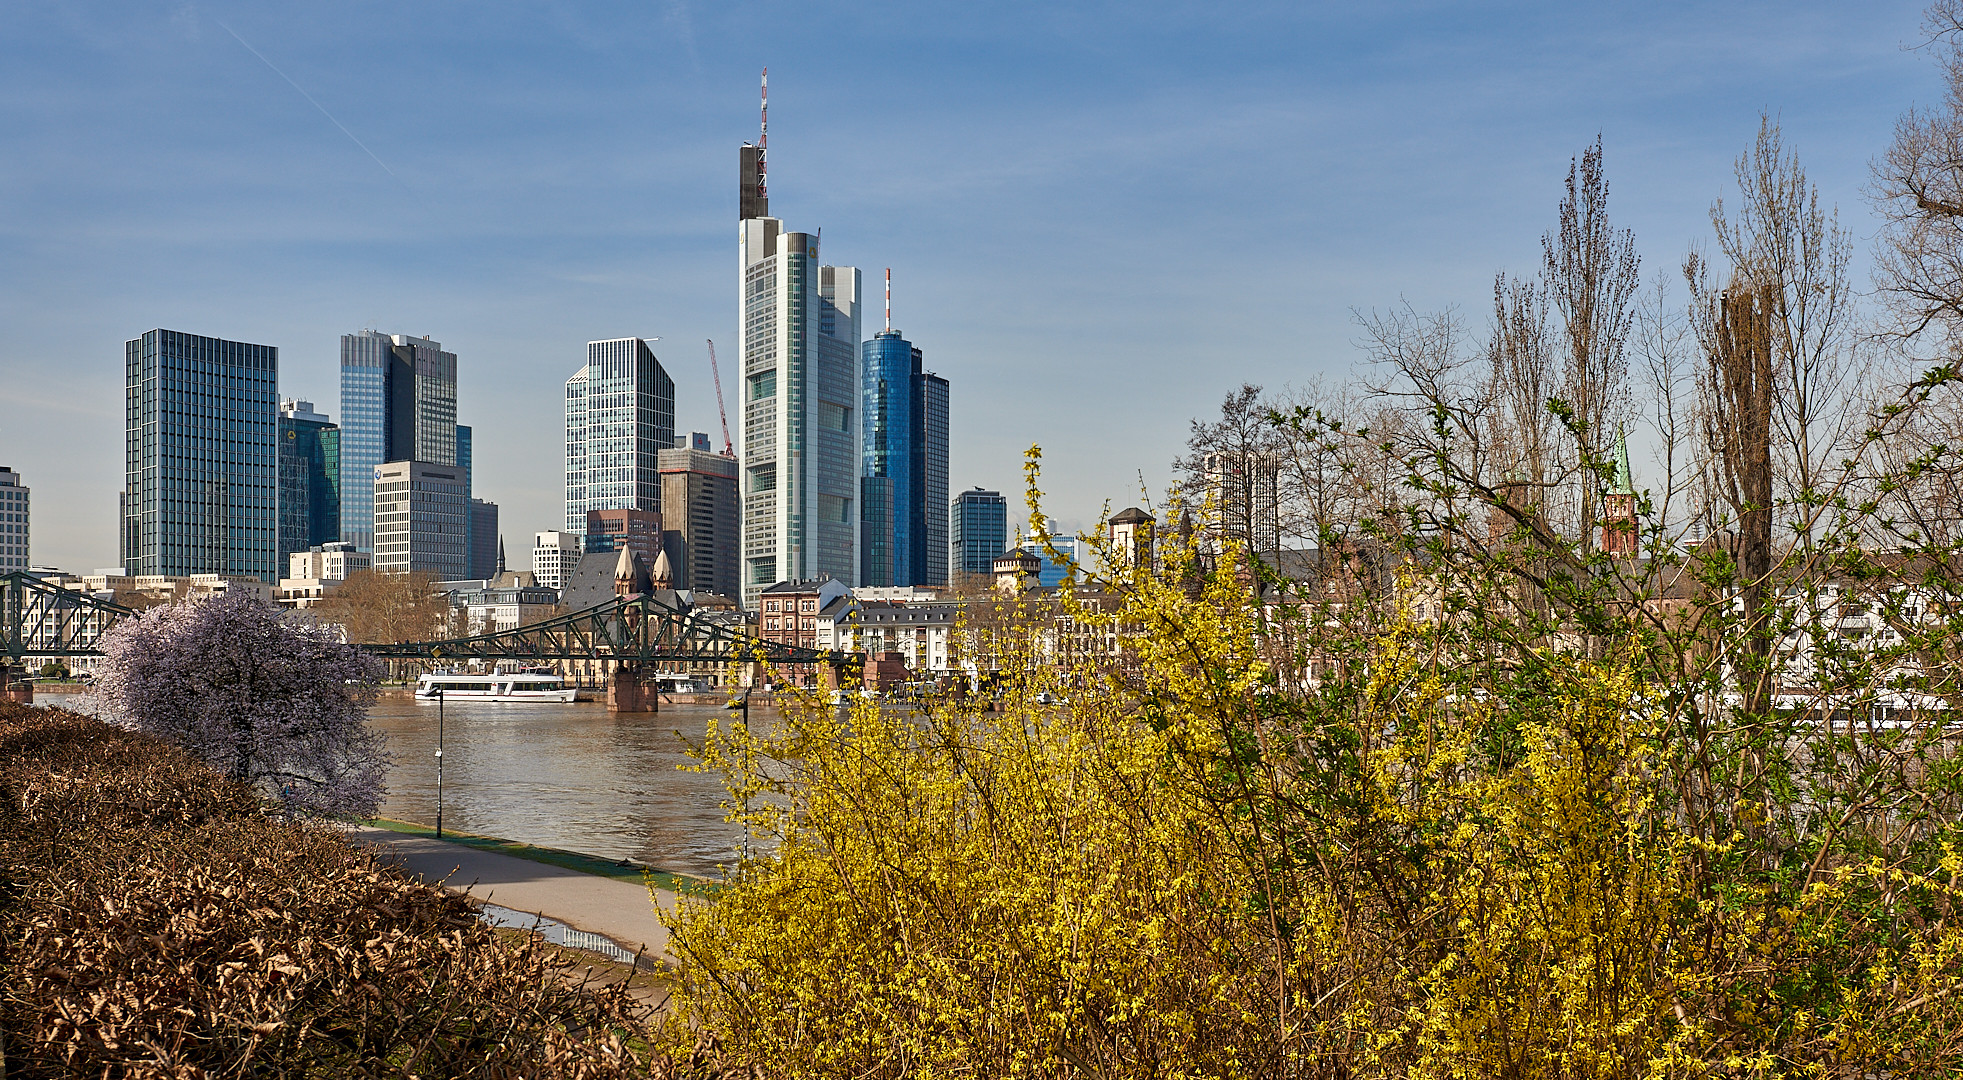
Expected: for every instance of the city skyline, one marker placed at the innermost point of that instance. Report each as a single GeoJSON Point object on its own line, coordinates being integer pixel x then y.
{"type": "Point", "coordinates": [295, 233]}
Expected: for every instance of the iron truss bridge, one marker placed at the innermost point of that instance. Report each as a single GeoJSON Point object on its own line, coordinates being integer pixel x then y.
{"type": "Point", "coordinates": [630, 630]}
{"type": "Point", "coordinates": [40, 620]}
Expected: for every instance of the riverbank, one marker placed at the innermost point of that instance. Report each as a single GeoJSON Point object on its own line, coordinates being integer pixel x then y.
{"type": "Point", "coordinates": [631, 870]}
{"type": "Point", "coordinates": [626, 911]}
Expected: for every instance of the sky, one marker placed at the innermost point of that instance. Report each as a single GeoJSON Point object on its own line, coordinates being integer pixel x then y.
{"type": "Point", "coordinates": [1101, 217]}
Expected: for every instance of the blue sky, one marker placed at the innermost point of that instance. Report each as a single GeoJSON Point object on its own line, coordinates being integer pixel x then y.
{"type": "Point", "coordinates": [1100, 217]}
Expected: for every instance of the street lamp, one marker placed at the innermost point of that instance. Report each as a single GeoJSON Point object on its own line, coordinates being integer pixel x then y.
{"type": "Point", "coordinates": [439, 761]}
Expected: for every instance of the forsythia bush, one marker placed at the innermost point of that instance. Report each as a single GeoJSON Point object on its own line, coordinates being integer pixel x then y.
{"type": "Point", "coordinates": [1448, 857]}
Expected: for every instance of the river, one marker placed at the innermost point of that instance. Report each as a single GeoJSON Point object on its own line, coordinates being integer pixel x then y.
{"type": "Point", "coordinates": [565, 776]}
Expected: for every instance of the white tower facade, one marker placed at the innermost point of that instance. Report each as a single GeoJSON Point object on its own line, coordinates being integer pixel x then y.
{"type": "Point", "coordinates": [800, 390]}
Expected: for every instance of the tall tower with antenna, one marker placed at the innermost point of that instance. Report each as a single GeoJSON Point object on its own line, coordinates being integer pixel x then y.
{"type": "Point", "coordinates": [797, 389]}
{"type": "Point", "coordinates": [903, 462]}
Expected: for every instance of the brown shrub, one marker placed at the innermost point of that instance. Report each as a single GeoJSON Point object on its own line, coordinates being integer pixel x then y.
{"type": "Point", "coordinates": [157, 920]}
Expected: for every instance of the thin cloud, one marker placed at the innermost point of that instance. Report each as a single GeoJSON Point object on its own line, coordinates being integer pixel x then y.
{"type": "Point", "coordinates": [323, 109]}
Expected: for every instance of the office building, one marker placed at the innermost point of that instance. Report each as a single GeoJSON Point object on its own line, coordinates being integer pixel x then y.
{"type": "Point", "coordinates": [903, 528]}
{"type": "Point", "coordinates": [420, 516]}
{"type": "Point", "coordinates": [638, 531]}
{"type": "Point", "coordinates": [328, 562]}
{"type": "Point", "coordinates": [620, 415]}
{"type": "Point", "coordinates": [398, 403]}
{"type": "Point", "coordinates": [14, 533]}
{"type": "Point", "coordinates": [201, 470]}
{"type": "Point", "coordinates": [309, 479]}
{"type": "Point", "coordinates": [799, 333]}
{"type": "Point", "coordinates": [482, 538]}
{"type": "Point", "coordinates": [554, 554]}
{"type": "Point", "coordinates": [979, 521]}
{"type": "Point", "coordinates": [700, 519]}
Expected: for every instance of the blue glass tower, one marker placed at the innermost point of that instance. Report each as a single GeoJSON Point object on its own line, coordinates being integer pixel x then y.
{"type": "Point", "coordinates": [903, 531]}
{"type": "Point", "coordinates": [398, 403]}
{"type": "Point", "coordinates": [201, 457]}
{"type": "Point", "coordinates": [309, 480]}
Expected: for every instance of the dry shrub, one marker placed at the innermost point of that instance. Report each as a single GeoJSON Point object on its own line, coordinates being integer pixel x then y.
{"type": "Point", "coordinates": [158, 920]}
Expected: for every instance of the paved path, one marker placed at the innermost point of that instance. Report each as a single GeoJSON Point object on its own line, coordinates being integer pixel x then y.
{"type": "Point", "coordinates": [618, 909]}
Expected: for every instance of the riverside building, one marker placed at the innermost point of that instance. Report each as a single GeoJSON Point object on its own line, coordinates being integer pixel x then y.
{"type": "Point", "coordinates": [398, 403]}
{"type": "Point", "coordinates": [201, 471]}
{"type": "Point", "coordinates": [799, 332]}
{"type": "Point", "coordinates": [620, 415]}
{"type": "Point", "coordinates": [14, 531]}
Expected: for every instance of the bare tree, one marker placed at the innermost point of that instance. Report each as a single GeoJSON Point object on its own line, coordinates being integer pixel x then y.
{"type": "Point", "coordinates": [1231, 470]}
{"type": "Point", "coordinates": [1736, 329]}
{"type": "Point", "coordinates": [1524, 376]}
{"type": "Point", "coordinates": [1591, 274]}
{"type": "Point", "coordinates": [1794, 255]}
{"type": "Point", "coordinates": [1918, 187]}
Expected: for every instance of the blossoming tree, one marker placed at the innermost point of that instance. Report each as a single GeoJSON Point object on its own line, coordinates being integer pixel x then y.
{"type": "Point", "coordinates": [265, 700]}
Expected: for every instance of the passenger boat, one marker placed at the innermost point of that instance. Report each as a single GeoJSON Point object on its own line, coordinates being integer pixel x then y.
{"type": "Point", "coordinates": [532, 684]}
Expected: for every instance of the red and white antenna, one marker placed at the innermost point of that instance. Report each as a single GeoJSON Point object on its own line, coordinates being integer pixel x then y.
{"type": "Point", "coordinates": [763, 141]}
{"type": "Point", "coordinates": [889, 298]}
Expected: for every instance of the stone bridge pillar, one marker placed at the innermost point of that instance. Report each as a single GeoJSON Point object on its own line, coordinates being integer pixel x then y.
{"type": "Point", "coordinates": [627, 693]}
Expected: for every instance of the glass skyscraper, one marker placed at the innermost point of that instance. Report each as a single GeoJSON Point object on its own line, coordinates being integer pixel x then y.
{"type": "Point", "coordinates": [398, 403]}
{"type": "Point", "coordinates": [201, 461]}
{"type": "Point", "coordinates": [800, 389]}
{"type": "Point", "coordinates": [980, 523]}
{"type": "Point", "coordinates": [903, 530]}
{"type": "Point", "coordinates": [309, 480]}
{"type": "Point", "coordinates": [620, 415]}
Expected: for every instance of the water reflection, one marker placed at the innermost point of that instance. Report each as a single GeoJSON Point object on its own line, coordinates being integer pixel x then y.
{"type": "Point", "coordinates": [567, 776]}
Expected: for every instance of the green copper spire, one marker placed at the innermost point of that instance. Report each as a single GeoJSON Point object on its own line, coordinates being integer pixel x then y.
{"type": "Point", "coordinates": [1624, 484]}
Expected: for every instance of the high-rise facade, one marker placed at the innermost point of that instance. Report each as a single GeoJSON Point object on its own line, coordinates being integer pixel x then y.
{"type": "Point", "coordinates": [398, 403]}
{"type": "Point", "coordinates": [800, 390]}
{"type": "Point", "coordinates": [700, 520]}
{"type": "Point", "coordinates": [421, 517]}
{"type": "Point", "coordinates": [979, 521]}
{"type": "Point", "coordinates": [620, 415]}
{"type": "Point", "coordinates": [201, 469]}
{"type": "Point", "coordinates": [903, 528]}
{"type": "Point", "coordinates": [554, 555]}
{"type": "Point", "coordinates": [14, 524]}
{"type": "Point", "coordinates": [309, 479]}
{"type": "Point", "coordinates": [482, 541]}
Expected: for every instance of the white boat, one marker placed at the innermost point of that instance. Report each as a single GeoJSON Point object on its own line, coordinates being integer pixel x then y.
{"type": "Point", "coordinates": [531, 685]}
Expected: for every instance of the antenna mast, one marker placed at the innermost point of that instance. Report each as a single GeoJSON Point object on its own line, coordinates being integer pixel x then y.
{"type": "Point", "coordinates": [763, 142]}
{"type": "Point", "coordinates": [728, 448]}
{"type": "Point", "coordinates": [889, 299]}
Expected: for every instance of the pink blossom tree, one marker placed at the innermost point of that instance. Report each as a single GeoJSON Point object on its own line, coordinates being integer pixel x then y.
{"type": "Point", "coordinates": [264, 699]}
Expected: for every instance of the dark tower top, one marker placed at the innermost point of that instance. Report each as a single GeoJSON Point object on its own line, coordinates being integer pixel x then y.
{"type": "Point", "coordinates": [750, 202]}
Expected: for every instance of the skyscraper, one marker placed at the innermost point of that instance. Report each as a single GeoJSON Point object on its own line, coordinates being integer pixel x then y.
{"type": "Point", "coordinates": [13, 522]}
{"type": "Point", "coordinates": [309, 479]}
{"type": "Point", "coordinates": [482, 542]}
{"type": "Point", "coordinates": [398, 403]}
{"type": "Point", "coordinates": [421, 517]}
{"type": "Point", "coordinates": [903, 528]}
{"type": "Point", "coordinates": [620, 414]}
{"type": "Point", "coordinates": [800, 388]}
{"type": "Point", "coordinates": [699, 519]}
{"type": "Point", "coordinates": [201, 471]}
{"type": "Point", "coordinates": [980, 523]}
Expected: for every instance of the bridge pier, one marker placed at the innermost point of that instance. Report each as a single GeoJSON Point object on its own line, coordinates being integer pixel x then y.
{"type": "Point", "coordinates": [627, 693]}
{"type": "Point", "coordinates": [14, 686]}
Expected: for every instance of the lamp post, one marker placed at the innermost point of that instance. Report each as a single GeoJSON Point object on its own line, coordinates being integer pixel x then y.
{"type": "Point", "coordinates": [439, 761]}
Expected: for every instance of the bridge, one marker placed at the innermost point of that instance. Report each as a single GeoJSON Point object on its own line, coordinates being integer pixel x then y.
{"type": "Point", "coordinates": [636, 634]}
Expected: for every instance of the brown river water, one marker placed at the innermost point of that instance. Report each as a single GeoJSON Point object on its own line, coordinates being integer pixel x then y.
{"type": "Point", "coordinates": [567, 776]}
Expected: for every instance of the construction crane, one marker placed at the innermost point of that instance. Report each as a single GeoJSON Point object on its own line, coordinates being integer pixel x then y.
{"type": "Point", "coordinates": [728, 448]}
